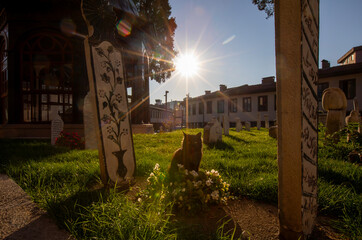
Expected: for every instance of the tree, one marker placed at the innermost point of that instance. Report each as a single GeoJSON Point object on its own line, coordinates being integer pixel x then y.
{"type": "Point", "coordinates": [265, 5]}
{"type": "Point", "coordinates": [161, 39]}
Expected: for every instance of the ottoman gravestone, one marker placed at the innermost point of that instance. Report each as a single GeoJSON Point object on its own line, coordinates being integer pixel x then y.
{"type": "Point", "coordinates": [297, 36]}
{"type": "Point", "coordinates": [56, 126]}
{"type": "Point", "coordinates": [247, 126]}
{"type": "Point", "coordinates": [266, 119]}
{"type": "Point", "coordinates": [89, 123]}
{"type": "Point", "coordinates": [335, 103]}
{"type": "Point", "coordinates": [107, 85]}
{"type": "Point", "coordinates": [238, 126]}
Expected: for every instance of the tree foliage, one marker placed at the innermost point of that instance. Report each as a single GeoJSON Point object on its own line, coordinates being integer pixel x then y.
{"type": "Point", "coordinates": [160, 40]}
{"type": "Point", "coordinates": [265, 5]}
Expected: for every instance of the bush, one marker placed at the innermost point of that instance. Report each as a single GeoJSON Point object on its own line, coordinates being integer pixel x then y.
{"type": "Point", "coordinates": [189, 191]}
{"type": "Point", "coordinates": [70, 140]}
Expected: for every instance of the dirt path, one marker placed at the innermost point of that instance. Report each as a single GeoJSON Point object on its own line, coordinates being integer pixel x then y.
{"type": "Point", "coordinates": [21, 219]}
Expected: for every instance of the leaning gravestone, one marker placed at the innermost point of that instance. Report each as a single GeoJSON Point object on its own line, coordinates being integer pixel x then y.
{"type": "Point", "coordinates": [89, 123]}
{"type": "Point", "coordinates": [107, 84]}
{"type": "Point", "coordinates": [57, 125]}
{"type": "Point", "coordinates": [354, 116]}
{"type": "Point", "coordinates": [238, 126]}
{"type": "Point", "coordinates": [226, 125]}
{"type": "Point", "coordinates": [266, 119]}
{"type": "Point", "coordinates": [335, 103]}
{"type": "Point", "coordinates": [297, 35]}
{"type": "Point", "coordinates": [247, 126]}
{"type": "Point", "coordinates": [258, 123]}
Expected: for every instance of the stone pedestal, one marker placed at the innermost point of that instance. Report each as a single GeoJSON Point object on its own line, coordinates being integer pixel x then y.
{"type": "Point", "coordinates": [266, 119]}
{"type": "Point", "coordinates": [297, 35]}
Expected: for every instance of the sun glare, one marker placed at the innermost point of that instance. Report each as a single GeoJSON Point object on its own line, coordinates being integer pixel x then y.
{"type": "Point", "coordinates": [187, 65]}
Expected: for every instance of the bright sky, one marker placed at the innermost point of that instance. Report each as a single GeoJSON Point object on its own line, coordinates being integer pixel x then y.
{"type": "Point", "coordinates": [235, 44]}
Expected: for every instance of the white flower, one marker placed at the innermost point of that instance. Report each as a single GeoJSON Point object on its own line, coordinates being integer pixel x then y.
{"type": "Point", "coordinates": [180, 165]}
{"type": "Point", "coordinates": [208, 182]}
{"type": "Point", "coordinates": [215, 195]}
{"type": "Point", "coordinates": [180, 198]}
{"type": "Point", "coordinates": [139, 200]}
{"type": "Point", "coordinates": [197, 184]}
{"type": "Point", "coordinates": [186, 172]}
{"type": "Point", "coordinates": [194, 173]}
{"type": "Point", "coordinates": [152, 174]}
{"type": "Point", "coordinates": [171, 183]}
{"type": "Point", "coordinates": [184, 189]}
{"type": "Point", "coordinates": [157, 167]}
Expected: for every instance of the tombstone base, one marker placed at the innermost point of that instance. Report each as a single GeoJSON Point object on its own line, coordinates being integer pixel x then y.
{"type": "Point", "coordinates": [286, 234]}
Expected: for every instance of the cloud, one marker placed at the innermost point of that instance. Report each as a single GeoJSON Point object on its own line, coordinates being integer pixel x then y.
{"type": "Point", "coordinates": [228, 40]}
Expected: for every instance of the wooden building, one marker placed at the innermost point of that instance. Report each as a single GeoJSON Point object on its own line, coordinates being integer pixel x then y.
{"type": "Point", "coordinates": [43, 66]}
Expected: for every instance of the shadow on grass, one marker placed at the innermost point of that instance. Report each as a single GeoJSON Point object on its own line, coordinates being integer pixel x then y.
{"type": "Point", "coordinates": [337, 178]}
{"type": "Point", "coordinates": [17, 151]}
{"type": "Point", "coordinates": [238, 139]}
{"type": "Point", "coordinates": [211, 224]}
{"type": "Point", "coordinates": [220, 145]}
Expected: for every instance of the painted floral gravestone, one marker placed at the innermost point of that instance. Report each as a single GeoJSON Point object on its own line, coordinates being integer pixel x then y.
{"type": "Point", "coordinates": [107, 85]}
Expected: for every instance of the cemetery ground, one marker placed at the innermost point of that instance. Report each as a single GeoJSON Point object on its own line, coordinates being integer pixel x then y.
{"type": "Point", "coordinates": [66, 183]}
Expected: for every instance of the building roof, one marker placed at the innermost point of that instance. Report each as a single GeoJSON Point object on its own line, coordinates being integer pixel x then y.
{"type": "Point", "coordinates": [241, 90]}
{"type": "Point", "coordinates": [354, 49]}
{"type": "Point", "coordinates": [340, 70]}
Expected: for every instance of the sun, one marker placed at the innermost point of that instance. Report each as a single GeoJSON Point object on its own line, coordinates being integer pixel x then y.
{"type": "Point", "coordinates": [187, 64]}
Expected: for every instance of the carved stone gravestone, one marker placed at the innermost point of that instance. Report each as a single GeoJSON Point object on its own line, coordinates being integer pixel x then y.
{"type": "Point", "coordinates": [258, 123]}
{"type": "Point", "coordinates": [238, 127]}
{"type": "Point", "coordinates": [247, 126]}
{"type": "Point", "coordinates": [266, 119]}
{"type": "Point", "coordinates": [335, 103]}
{"type": "Point", "coordinates": [215, 131]}
{"type": "Point", "coordinates": [297, 35]}
{"type": "Point", "coordinates": [273, 131]}
{"type": "Point", "coordinates": [226, 125]}
{"type": "Point", "coordinates": [57, 125]}
{"type": "Point", "coordinates": [354, 118]}
{"type": "Point", "coordinates": [89, 123]}
{"type": "Point", "coordinates": [106, 83]}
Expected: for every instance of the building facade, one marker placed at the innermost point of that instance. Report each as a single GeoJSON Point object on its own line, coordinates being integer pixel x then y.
{"type": "Point", "coordinates": [247, 102]}
{"type": "Point", "coordinates": [42, 65]}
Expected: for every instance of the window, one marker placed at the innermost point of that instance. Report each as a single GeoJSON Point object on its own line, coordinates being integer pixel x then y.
{"type": "Point", "coordinates": [233, 105]}
{"type": "Point", "coordinates": [201, 108]}
{"type": "Point", "coordinates": [263, 103]}
{"type": "Point", "coordinates": [209, 107]}
{"type": "Point", "coordinates": [247, 104]}
{"type": "Point", "coordinates": [3, 82]}
{"type": "Point", "coordinates": [46, 74]}
{"type": "Point", "coordinates": [348, 87]}
{"type": "Point", "coordinates": [321, 88]}
{"type": "Point", "coordinates": [194, 109]}
{"type": "Point", "coordinates": [220, 106]}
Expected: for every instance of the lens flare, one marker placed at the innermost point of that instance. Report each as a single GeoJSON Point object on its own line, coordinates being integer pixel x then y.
{"type": "Point", "coordinates": [187, 64]}
{"type": "Point", "coordinates": [124, 28]}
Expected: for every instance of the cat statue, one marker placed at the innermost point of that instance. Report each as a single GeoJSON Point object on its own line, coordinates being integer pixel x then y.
{"type": "Point", "coordinates": [189, 155]}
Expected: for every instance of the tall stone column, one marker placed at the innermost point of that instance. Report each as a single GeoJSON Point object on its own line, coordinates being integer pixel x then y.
{"type": "Point", "coordinates": [297, 33]}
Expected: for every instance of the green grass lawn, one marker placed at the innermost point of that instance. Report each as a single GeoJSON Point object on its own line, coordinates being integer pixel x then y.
{"type": "Point", "coordinates": [61, 181]}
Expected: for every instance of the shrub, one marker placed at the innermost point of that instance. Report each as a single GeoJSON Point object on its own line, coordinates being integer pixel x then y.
{"type": "Point", "coordinates": [189, 191]}
{"type": "Point", "coordinates": [70, 140]}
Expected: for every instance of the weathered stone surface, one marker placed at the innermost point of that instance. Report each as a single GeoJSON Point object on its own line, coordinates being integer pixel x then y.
{"type": "Point", "coordinates": [57, 125]}
{"type": "Point", "coordinates": [334, 102]}
{"type": "Point", "coordinates": [258, 122]}
{"type": "Point", "coordinates": [238, 126]}
{"type": "Point", "coordinates": [247, 126]}
{"type": "Point", "coordinates": [215, 134]}
{"type": "Point", "coordinates": [266, 119]}
{"type": "Point", "coordinates": [226, 125]}
{"type": "Point", "coordinates": [89, 121]}
{"type": "Point", "coordinates": [273, 132]}
{"type": "Point", "coordinates": [354, 116]}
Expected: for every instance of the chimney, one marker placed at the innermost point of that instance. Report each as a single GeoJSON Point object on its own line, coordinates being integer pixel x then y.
{"type": "Point", "coordinates": [267, 80]}
{"type": "Point", "coordinates": [158, 102]}
{"type": "Point", "coordinates": [222, 87]}
{"type": "Point", "coordinates": [325, 64]}
{"type": "Point", "coordinates": [207, 92]}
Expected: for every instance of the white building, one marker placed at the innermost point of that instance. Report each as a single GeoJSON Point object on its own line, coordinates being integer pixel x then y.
{"type": "Point", "coordinates": [245, 102]}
